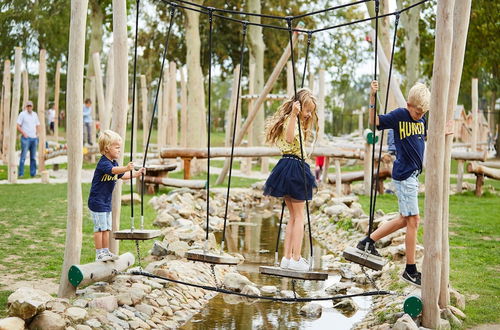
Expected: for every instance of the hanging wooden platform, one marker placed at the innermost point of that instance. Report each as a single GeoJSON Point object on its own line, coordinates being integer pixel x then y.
{"type": "Point", "coordinates": [363, 258]}
{"type": "Point", "coordinates": [137, 234]}
{"type": "Point", "coordinates": [281, 272]}
{"type": "Point", "coordinates": [211, 258]}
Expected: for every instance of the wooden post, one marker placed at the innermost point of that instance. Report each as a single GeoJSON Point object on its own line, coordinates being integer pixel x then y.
{"type": "Point", "coordinates": [431, 268]}
{"type": "Point", "coordinates": [321, 107]}
{"type": "Point", "coordinates": [14, 111]}
{"type": "Point", "coordinates": [56, 100]}
{"type": "Point", "coordinates": [136, 119]}
{"type": "Point", "coordinates": [474, 114]}
{"type": "Point", "coordinates": [120, 99]}
{"type": "Point", "coordinates": [289, 79]}
{"type": "Point", "coordinates": [42, 82]}
{"type": "Point", "coordinates": [159, 117]}
{"type": "Point", "coordinates": [367, 162]}
{"type": "Point", "coordinates": [110, 87]}
{"type": "Point", "coordinates": [26, 88]}
{"type": "Point", "coordinates": [74, 101]}
{"type": "Point", "coordinates": [324, 177]}
{"type": "Point", "coordinates": [338, 181]}
{"type": "Point", "coordinates": [92, 113]}
{"type": "Point", "coordinates": [2, 95]}
{"type": "Point", "coordinates": [360, 120]}
{"type": "Point", "coordinates": [183, 110]}
{"type": "Point", "coordinates": [461, 14]}
{"type": "Point", "coordinates": [163, 131]}
{"type": "Point", "coordinates": [246, 163]}
{"type": "Point", "coordinates": [172, 106]}
{"type": "Point", "coordinates": [145, 115]}
{"type": "Point", "coordinates": [104, 116]}
{"type": "Point", "coordinates": [311, 80]}
{"type": "Point", "coordinates": [6, 110]}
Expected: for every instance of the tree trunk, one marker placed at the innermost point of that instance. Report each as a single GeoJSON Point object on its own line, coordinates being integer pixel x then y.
{"type": "Point", "coordinates": [14, 111]}
{"type": "Point", "coordinates": [183, 109]}
{"type": "Point", "coordinates": [57, 88]}
{"type": "Point", "coordinates": [172, 106]}
{"type": "Point", "coordinates": [26, 88]}
{"type": "Point", "coordinates": [74, 101]}
{"type": "Point", "coordinates": [431, 268]}
{"type": "Point", "coordinates": [110, 87]}
{"type": "Point", "coordinates": [93, 114]}
{"type": "Point", "coordinates": [474, 114]}
{"type": "Point", "coordinates": [120, 100]}
{"type": "Point", "coordinates": [461, 16]}
{"type": "Point", "coordinates": [104, 114]}
{"type": "Point", "coordinates": [409, 21]}
{"type": "Point", "coordinates": [42, 83]}
{"type": "Point", "coordinates": [144, 110]}
{"type": "Point", "coordinates": [321, 107]}
{"type": "Point", "coordinates": [6, 110]}
{"type": "Point", "coordinates": [96, 32]}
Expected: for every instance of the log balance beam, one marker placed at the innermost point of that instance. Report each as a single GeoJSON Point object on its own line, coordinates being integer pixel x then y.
{"type": "Point", "coordinates": [481, 171]}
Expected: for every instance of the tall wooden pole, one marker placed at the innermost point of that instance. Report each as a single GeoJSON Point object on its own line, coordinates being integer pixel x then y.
{"type": "Point", "coordinates": [74, 101]}
{"type": "Point", "coordinates": [144, 108]}
{"type": "Point", "coordinates": [104, 115]}
{"type": "Point", "coordinates": [289, 79]}
{"type": "Point", "coordinates": [14, 111]}
{"type": "Point", "coordinates": [56, 100]}
{"type": "Point", "coordinates": [431, 269]}
{"type": "Point", "coordinates": [92, 114]}
{"type": "Point", "coordinates": [110, 87]}
{"type": "Point", "coordinates": [183, 110]}
{"type": "Point", "coordinates": [26, 88]}
{"type": "Point", "coordinates": [163, 120]}
{"type": "Point", "coordinates": [6, 110]}
{"type": "Point", "coordinates": [461, 15]}
{"type": "Point", "coordinates": [474, 114]}
{"type": "Point", "coordinates": [173, 125]}
{"type": "Point", "coordinates": [42, 83]}
{"type": "Point", "coordinates": [321, 107]}
{"type": "Point", "coordinates": [120, 99]}
{"type": "Point", "coordinates": [136, 120]}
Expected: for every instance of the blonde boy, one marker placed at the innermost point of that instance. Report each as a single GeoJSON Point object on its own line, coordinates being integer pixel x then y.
{"type": "Point", "coordinates": [105, 175]}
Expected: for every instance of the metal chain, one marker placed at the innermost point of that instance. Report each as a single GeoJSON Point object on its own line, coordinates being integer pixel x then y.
{"type": "Point", "coordinates": [372, 281]}
{"type": "Point", "coordinates": [212, 267]}
{"type": "Point", "coordinates": [138, 253]}
{"type": "Point", "coordinates": [293, 289]}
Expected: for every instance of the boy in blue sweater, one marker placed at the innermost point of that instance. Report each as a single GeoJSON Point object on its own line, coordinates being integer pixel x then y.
{"type": "Point", "coordinates": [105, 175]}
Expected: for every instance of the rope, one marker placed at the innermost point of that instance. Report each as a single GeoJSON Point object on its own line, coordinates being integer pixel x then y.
{"type": "Point", "coordinates": [279, 233]}
{"type": "Point", "coordinates": [295, 299]}
{"type": "Point", "coordinates": [245, 26]}
{"type": "Point", "coordinates": [210, 19]}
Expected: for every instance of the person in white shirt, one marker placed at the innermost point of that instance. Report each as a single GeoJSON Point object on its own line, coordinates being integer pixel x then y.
{"type": "Point", "coordinates": [28, 125]}
{"type": "Point", "coordinates": [87, 121]}
{"type": "Point", "coordinates": [51, 115]}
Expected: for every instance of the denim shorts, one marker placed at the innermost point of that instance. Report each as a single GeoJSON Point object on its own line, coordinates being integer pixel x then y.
{"type": "Point", "coordinates": [102, 221]}
{"type": "Point", "coordinates": [407, 192]}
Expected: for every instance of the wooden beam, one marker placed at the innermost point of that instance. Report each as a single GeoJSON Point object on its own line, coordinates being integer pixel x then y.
{"type": "Point", "coordinates": [6, 110]}
{"type": "Point", "coordinates": [14, 112]}
{"type": "Point", "coordinates": [194, 184]}
{"type": "Point", "coordinates": [338, 178]}
{"type": "Point", "coordinates": [74, 101]}
{"type": "Point", "coordinates": [282, 272]}
{"type": "Point", "coordinates": [321, 106]}
{"type": "Point", "coordinates": [173, 125]}
{"type": "Point", "coordinates": [474, 114]}
{"type": "Point", "coordinates": [469, 155]}
{"type": "Point", "coordinates": [144, 109]}
{"type": "Point", "coordinates": [492, 173]}
{"type": "Point", "coordinates": [42, 84]}
{"type": "Point", "coordinates": [110, 88]}
{"type": "Point", "coordinates": [26, 88]}
{"type": "Point", "coordinates": [104, 116]}
{"type": "Point", "coordinates": [183, 109]}
{"type": "Point", "coordinates": [92, 114]}
{"type": "Point", "coordinates": [57, 89]}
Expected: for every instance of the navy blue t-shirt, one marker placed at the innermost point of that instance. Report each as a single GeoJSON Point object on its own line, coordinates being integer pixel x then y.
{"type": "Point", "coordinates": [103, 184]}
{"type": "Point", "coordinates": [409, 138]}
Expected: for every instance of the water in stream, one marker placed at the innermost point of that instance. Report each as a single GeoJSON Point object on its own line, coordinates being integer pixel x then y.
{"type": "Point", "coordinates": [256, 242]}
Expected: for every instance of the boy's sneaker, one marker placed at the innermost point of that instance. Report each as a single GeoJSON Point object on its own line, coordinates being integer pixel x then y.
{"type": "Point", "coordinates": [111, 255]}
{"type": "Point", "coordinates": [371, 248]}
{"type": "Point", "coordinates": [284, 263]}
{"type": "Point", "coordinates": [414, 279]}
{"type": "Point", "coordinates": [102, 256]}
{"type": "Point", "coordinates": [301, 265]}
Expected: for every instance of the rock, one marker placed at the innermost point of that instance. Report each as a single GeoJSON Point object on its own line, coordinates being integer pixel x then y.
{"type": "Point", "coordinates": [178, 248]}
{"type": "Point", "coordinates": [164, 219]}
{"type": "Point", "coordinates": [124, 298]}
{"type": "Point", "coordinates": [81, 303]}
{"type": "Point", "coordinates": [311, 310]}
{"type": "Point", "coordinates": [287, 294]}
{"type": "Point", "coordinates": [48, 320]}
{"type": "Point", "coordinates": [192, 233]}
{"type": "Point", "coordinates": [108, 303]}
{"type": "Point", "coordinates": [250, 290]}
{"type": "Point", "coordinates": [76, 314]}
{"type": "Point", "coordinates": [448, 315]}
{"type": "Point", "coordinates": [337, 210]}
{"type": "Point", "coordinates": [457, 312]}
{"type": "Point", "coordinates": [146, 309]}
{"type": "Point", "coordinates": [346, 306]}
{"type": "Point", "coordinates": [443, 325]}
{"type": "Point", "coordinates": [93, 323]}
{"type": "Point", "coordinates": [235, 281]}
{"type": "Point", "coordinates": [126, 199]}
{"type": "Point", "coordinates": [346, 272]}
{"type": "Point", "coordinates": [159, 249]}
{"type": "Point", "coordinates": [27, 302]}
{"type": "Point", "coordinates": [268, 290]}
{"type": "Point", "coordinates": [57, 306]}
{"type": "Point", "coordinates": [457, 299]}
{"type": "Point", "coordinates": [361, 223]}
{"type": "Point", "coordinates": [405, 322]}
{"type": "Point", "coordinates": [12, 323]}
{"type": "Point", "coordinates": [340, 287]}
{"type": "Point", "coordinates": [83, 327]}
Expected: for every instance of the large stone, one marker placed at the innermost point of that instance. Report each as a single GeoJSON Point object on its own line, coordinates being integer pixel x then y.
{"type": "Point", "coordinates": [93, 323]}
{"type": "Point", "coordinates": [178, 248]}
{"type": "Point", "coordinates": [146, 309]}
{"type": "Point", "coordinates": [311, 310]}
{"type": "Point", "coordinates": [340, 287]}
{"type": "Point", "coordinates": [346, 306]}
{"type": "Point", "coordinates": [48, 320]}
{"type": "Point", "coordinates": [457, 312]}
{"type": "Point", "coordinates": [447, 314]}
{"type": "Point", "coordinates": [250, 290]}
{"type": "Point", "coordinates": [108, 303]}
{"type": "Point", "coordinates": [235, 281]}
{"type": "Point", "coordinates": [76, 314]}
{"type": "Point", "coordinates": [405, 322]}
{"type": "Point", "coordinates": [12, 323]}
{"type": "Point", "coordinates": [124, 298]}
{"type": "Point", "coordinates": [83, 327]}
{"type": "Point", "coordinates": [164, 219]}
{"type": "Point", "coordinates": [268, 290]}
{"type": "Point", "coordinates": [27, 302]}
{"type": "Point", "coordinates": [457, 299]}
{"type": "Point", "coordinates": [337, 210]}
{"type": "Point", "coordinates": [159, 249]}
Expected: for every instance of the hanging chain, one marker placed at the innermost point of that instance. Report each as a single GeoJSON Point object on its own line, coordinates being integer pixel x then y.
{"type": "Point", "coordinates": [212, 268]}
{"type": "Point", "coordinates": [293, 289]}
{"type": "Point", "coordinates": [138, 253]}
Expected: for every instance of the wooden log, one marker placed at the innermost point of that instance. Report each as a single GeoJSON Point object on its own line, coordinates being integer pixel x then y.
{"type": "Point", "coordinates": [492, 173]}
{"type": "Point", "coordinates": [474, 115]}
{"type": "Point", "coordinates": [491, 164]}
{"type": "Point", "coordinates": [460, 175]}
{"type": "Point", "coordinates": [93, 115]}
{"type": "Point", "coordinates": [363, 258]}
{"type": "Point", "coordinates": [479, 185]}
{"type": "Point", "coordinates": [281, 272]}
{"type": "Point", "coordinates": [211, 258]}
{"type": "Point", "coordinates": [120, 100]}
{"type": "Point", "coordinates": [110, 88]}
{"type": "Point", "coordinates": [194, 184]}
{"type": "Point", "coordinates": [173, 121]}
{"type": "Point", "coordinates": [183, 110]}
{"type": "Point", "coordinates": [324, 176]}
{"type": "Point", "coordinates": [26, 87]}
{"type": "Point", "coordinates": [338, 178]}
{"type": "Point", "coordinates": [136, 120]}
{"type": "Point", "coordinates": [2, 93]}
{"type": "Point", "coordinates": [57, 89]}
{"type": "Point", "coordinates": [83, 275]}
{"type": "Point", "coordinates": [14, 111]}
{"type": "Point", "coordinates": [6, 110]}
{"type": "Point", "coordinates": [468, 155]}
{"type": "Point", "coordinates": [42, 83]}
{"type": "Point", "coordinates": [74, 101]}
{"type": "Point", "coordinates": [104, 116]}
{"type": "Point", "coordinates": [367, 167]}
{"type": "Point", "coordinates": [144, 110]}
{"type": "Point", "coordinates": [289, 79]}
{"type": "Point", "coordinates": [350, 177]}
{"type": "Point", "coordinates": [321, 107]}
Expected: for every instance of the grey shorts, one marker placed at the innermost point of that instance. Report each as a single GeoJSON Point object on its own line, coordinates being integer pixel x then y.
{"type": "Point", "coordinates": [407, 192]}
{"type": "Point", "coordinates": [102, 221]}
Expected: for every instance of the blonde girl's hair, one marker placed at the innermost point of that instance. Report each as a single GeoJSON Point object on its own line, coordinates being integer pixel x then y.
{"type": "Point", "coordinates": [274, 126]}
{"type": "Point", "coordinates": [106, 139]}
{"type": "Point", "coordinates": [420, 97]}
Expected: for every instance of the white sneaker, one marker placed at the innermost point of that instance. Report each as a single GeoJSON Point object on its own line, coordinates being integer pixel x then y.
{"type": "Point", "coordinates": [284, 263]}
{"type": "Point", "coordinates": [301, 265]}
{"type": "Point", "coordinates": [102, 257]}
{"type": "Point", "coordinates": [111, 255]}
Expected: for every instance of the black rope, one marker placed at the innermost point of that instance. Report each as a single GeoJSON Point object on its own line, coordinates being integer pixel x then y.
{"type": "Point", "coordinates": [155, 106]}
{"type": "Point", "coordinates": [279, 232]}
{"type": "Point", "coordinates": [396, 23]}
{"type": "Point", "coordinates": [245, 26]}
{"type": "Point", "coordinates": [133, 117]}
{"type": "Point", "coordinates": [374, 127]}
{"type": "Point", "coordinates": [295, 299]}
{"type": "Point", "coordinates": [210, 19]}
{"type": "Point", "coordinates": [303, 163]}
{"type": "Point", "coordinates": [309, 37]}
{"type": "Point", "coordinates": [330, 9]}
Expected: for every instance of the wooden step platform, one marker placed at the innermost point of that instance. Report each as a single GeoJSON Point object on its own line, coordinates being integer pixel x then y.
{"type": "Point", "coordinates": [136, 234]}
{"type": "Point", "coordinates": [211, 258]}
{"type": "Point", "coordinates": [363, 258]}
{"type": "Point", "coordinates": [307, 275]}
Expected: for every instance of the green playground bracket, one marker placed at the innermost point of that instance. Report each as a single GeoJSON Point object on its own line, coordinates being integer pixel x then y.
{"type": "Point", "coordinates": [413, 306]}
{"type": "Point", "coordinates": [370, 137]}
{"type": "Point", "coordinates": [75, 275]}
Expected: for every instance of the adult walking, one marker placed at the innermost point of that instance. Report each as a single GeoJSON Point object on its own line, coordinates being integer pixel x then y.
{"type": "Point", "coordinates": [29, 126]}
